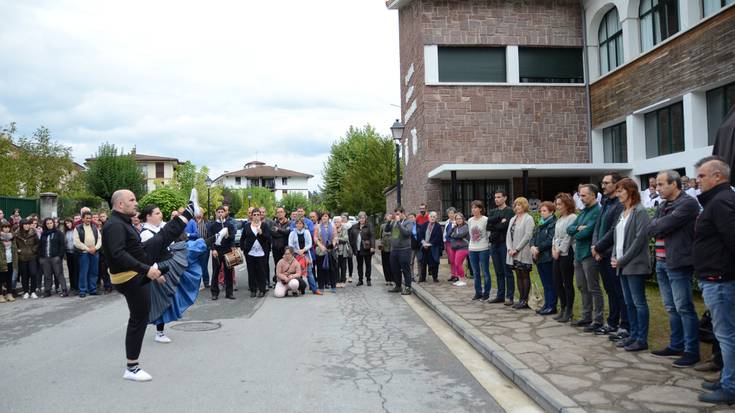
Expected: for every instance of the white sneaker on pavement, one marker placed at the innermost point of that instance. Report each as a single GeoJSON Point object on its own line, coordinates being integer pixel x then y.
{"type": "Point", "coordinates": [34, 296]}
{"type": "Point", "coordinates": [162, 338]}
{"type": "Point", "coordinates": [460, 284]}
{"type": "Point", "coordinates": [139, 375]}
{"type": "Point", "coordinates": [26, 296]}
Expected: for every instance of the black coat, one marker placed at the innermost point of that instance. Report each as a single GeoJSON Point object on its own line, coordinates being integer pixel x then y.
{"type": "Point", "coordinates": [674, 222]}
{"type": "Point", "coordinates": [714, 242]}
{"type": "Point", "coordinates": [226, 245]}
{"type": "Point", "coordinates": [366, 234]}
{"type": "Point", "coordinates": [52, 242]}
{"type": "Point", "coordinates": [725, 141]}
{"type": "Point", "coordinates": [247, 238]}
{"type": "Point", "coordinates": [279, 234]}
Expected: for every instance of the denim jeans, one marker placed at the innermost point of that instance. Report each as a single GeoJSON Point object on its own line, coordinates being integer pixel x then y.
{"type": "Point", "coordinates": [618, 316]}
{"type": "Point", "coordinates": [310, 278]}
{"type": "Point", "coordinates": [89, 265]}
{"type": "Point", "coordinates": [634, 291]}
{"type": "Point", "coordinates": [720, 299]}
{"type": "Point", "coordinates": [676, 294]}
{"type": "Point", "coordinates": [480, 260]}
{"type": "Point", "coordinates": [503, 274]}
{"type": "Point", "coordinates": [204, 262]}
{"type": "Point", "coordinates": [546, 273]}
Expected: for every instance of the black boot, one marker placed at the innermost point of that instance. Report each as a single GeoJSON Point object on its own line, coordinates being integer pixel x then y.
{"type": "Point", "coordinates": [560, 315]}
{"type": "Point", "coordinates": [566, 315]}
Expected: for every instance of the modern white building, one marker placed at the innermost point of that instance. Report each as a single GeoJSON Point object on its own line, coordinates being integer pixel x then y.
{"type": "Point", "coordinates": [257, 174]}
{"type": "Point", "coordinates": [156, 169]}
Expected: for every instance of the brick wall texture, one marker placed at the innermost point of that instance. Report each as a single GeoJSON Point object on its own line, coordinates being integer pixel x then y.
{"type": "Point", "coordinates": [697, 58]}
{"type": "Point", "coordinates": [488, 124]}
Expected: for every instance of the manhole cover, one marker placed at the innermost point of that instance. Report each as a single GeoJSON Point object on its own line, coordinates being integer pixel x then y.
{"type": "Point", "coordinates": [197, 326]}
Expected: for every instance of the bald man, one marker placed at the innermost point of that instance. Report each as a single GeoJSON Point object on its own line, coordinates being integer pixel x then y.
{"type": "Point", "coordinates": [131, 269]}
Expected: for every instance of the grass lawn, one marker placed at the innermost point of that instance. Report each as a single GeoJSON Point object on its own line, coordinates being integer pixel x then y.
{"type": "Point", "coordinates": [658, 333]}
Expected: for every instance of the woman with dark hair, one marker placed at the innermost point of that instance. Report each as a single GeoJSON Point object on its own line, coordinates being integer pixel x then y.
{"type": "Point", "coordinates": [518, 241]}
{"type": "Point", "coordinates": [324, 234]}
{"type": "Point", "coordinates": [51, 249]}
{"type": "Point", "coordinates": [459, 239]}
{"type": "Point", "coordinates": [26, 242]}
{"type": "Point", "coordinates": [562, 253]}
{"type": "Point", "coordinates": [72, 261]}
{"type": "Point", "coordinates": [479, 250]}
{"type": "Point", "coordinates": [632, 261]}
{"type": "Point", "coordinates": [362, 239]}
{"type": "Point", "coordinates": [8, 259]}
{"type": "Point", "coordinates": [151, 220]}
{"type": "Point", "coordinates": [541, 244]}
{"type": "Point", "coordinates": [254, 242]}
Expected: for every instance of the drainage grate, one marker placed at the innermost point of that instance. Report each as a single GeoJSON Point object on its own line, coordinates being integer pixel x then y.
{"type": "Point", "coordinates": [196, 326]}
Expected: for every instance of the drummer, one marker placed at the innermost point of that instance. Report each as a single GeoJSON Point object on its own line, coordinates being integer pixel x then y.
{"type": "Point", "coordinates": [224, 243]}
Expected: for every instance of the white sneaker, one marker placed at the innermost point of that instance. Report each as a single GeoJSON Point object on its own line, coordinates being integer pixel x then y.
{"type": "Point", "coordinates": [460, 284]}
{"type": "Point", "coordinates": [162, 338]}
{"type": "Point", "coordinates": [34, 296]}
{"type": "Point", "coordinates": [139, 375]}
{"type": "Point", "coordinates": [26, 296]}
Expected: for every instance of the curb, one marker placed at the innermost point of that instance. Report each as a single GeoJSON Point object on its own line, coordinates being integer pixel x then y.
{"type": "Point", "coordinates": [538, 388]}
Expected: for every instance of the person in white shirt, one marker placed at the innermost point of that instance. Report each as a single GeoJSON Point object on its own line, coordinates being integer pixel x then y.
{"type": "Point", "coordinates": [649, 197]}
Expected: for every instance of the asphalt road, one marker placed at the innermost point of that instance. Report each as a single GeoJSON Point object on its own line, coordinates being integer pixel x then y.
{"type": "Point", "coordinates": [360, 350]}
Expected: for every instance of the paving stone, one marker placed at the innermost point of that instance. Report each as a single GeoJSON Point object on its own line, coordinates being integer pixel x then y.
{"type": "Point", "coordinates": [671, 394]}
{"type": "Point", "coordinates": [649, 366]}
{"type": "Point", "coordinates": [594, 376]}
{"type": "Point", "coordinates": [513, 324]}
{"type": "Point", "coordinates": [616, 388]}
{"type": "Point", "coordinates": [630, 406]}
{"type": "Point", "coordinates": [558, 344]}
{"type": "Point", "coordinates": [553, 331]}
{"type": "Point", "coordinates": [501, 339]}
{"type": "Point", "coordinates": [568, 382]}
{"type": "Point", "coordinates": [591, 397]}
{"type": "Point", "coordinates": [522, 337]}
{"type": "Point", "coordinates": [581, 368]}
{"type": "Point", "coordinates": [613, 364]}
{"type": "Point", "coordinates": [537, 362]}
{"type": "Point", "coordinates": [667, 408]}
{"type": "Point", "coordinates": [526, 347]}
{"type": "Point", "coordinates": [564, 358]}
{"type": "Point", "coordinates": [532, 319]}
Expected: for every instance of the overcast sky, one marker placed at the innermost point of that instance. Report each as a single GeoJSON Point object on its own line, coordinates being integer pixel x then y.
{"type": "Point", "coordinates": [211, 82]}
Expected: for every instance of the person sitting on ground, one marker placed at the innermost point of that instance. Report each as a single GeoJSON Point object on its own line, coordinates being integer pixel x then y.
{"type": "Point", "coordinates": [288, 271]}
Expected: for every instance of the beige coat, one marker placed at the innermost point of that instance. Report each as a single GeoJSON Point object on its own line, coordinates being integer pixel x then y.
{"type": "Point", "coordinates": [520, 239]}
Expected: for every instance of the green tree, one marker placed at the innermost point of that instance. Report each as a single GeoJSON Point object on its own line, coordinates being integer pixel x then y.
{"type": "Point", "coordinates": [111, 170]}
{"type": "Point", "coordinates": [166, 199]}
{"type": "Point", "coordinates": [42, 163]}
{"type": "Point", "coordinates": [185, 177]}
{"type": "Point", "coordinates": [260, 197]}
{"type": "Point", "coordinates": [360, 166]}
{"type": "Point", "coordinates": [291, 201]}
{"type": "Point", "coordinates": [9, 173]}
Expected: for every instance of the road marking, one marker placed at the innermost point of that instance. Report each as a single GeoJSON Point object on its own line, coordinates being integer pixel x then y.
{"type": "Point", "coordinates": [507, 394]}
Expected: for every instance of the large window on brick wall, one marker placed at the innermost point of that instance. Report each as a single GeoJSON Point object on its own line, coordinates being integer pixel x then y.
{"type": "Point", "coordinates": [470, 190]}
{"type": "Point", "coordinates": [665, 131]}
{"type": "Point", "coordinates": [659, 20]}
{"type": "Point", "coordinates": [719, 102]}
{"type": "Point", "coordinates": [472, 64]}
{"type": "Point", "coordinates": [710, 7]}
{"type": "Point", "coordinates": [615, 143]}
{"type": "Point", "coordinates": [610, 36]}
{"type": "Point", "coordinates": [550, 65]}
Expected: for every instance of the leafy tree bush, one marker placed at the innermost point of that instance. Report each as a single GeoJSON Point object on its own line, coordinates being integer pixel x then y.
{"type": "Point", "coordinates": [166, 199]}
{"type": "Point", "coordinates": [112, 170]}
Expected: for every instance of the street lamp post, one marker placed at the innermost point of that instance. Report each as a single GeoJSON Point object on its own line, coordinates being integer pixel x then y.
{"type": "Point", "coordinates": [397, 131]}
{"type": "Point", "coordinates": [209, 182]}
{"type": "Point", "coordinates": [250, 197]}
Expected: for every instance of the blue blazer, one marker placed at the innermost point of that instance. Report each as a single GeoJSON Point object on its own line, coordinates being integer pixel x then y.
{"type": "Point", "coordinates": [435, 238]}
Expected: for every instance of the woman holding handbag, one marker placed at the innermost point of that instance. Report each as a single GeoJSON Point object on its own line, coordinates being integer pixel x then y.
{"type": "Point", "coordinates": [362, 240]}
{"type": "Point", "coordinates": [324, 234]}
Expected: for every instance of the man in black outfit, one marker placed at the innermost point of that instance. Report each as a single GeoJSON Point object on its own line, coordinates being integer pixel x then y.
{"type": "Point", "coordinates": [131, 269]}
{"type": "Point", "coordinates": [224, 232]}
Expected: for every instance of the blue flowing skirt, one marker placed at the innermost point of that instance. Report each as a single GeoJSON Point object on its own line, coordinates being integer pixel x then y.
{"type": "Point", "coordinates": [171, 299]}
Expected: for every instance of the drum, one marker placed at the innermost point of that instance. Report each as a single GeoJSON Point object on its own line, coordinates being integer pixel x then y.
{"type": "Point", "coordinates": [234, 258]}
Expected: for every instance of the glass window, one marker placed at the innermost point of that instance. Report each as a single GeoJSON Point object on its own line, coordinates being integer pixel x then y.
{"type": "Point", "coordinates": [610, 36]}
{"type": "Point", "coordinates": [615, 145]}
{"type": "Point", "coordinates": [284, 181]}
{"type": "Point", "coordinates": [470, 190]}
{"type": "Point", "coordinates": [238, 180]}
{"type": "Point", "coordinates": [550, 65]}
{"type": "Point", "coordinates": [665, 131]}
{"type": "Point", "coordinates": [472, 64]}
{"type": "Point", "coordinates": [710, 7]}
{"type": "Point", "coordinates": [159, 170]}
{"type": "Point", "coordinates": [659, 20]}
{"type": "Point", "coordinates": [719, 103]}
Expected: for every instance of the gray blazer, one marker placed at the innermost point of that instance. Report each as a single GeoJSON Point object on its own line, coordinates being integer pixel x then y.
{"type": "Point", "coordinates": [636, 259]}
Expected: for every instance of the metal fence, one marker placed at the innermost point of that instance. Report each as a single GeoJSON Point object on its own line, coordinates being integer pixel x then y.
{"type": "Point", "coordinates": [27, 206]}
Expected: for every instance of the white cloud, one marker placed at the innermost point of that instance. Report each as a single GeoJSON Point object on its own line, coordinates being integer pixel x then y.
{"type": "Point", "coordinates": [212, 83]}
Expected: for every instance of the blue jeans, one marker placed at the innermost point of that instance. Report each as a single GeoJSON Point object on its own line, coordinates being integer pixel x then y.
{"type": "Point", "coordinates": [634, 292]}
{"type": "Point", "coordinates": [204, 262]}
{"type": "Point", "coordinates": [310, 278]}
{"type": "Point", "coordinates": [676, 294]}
{"type": "Point", "coordinates": [720, 299]}
{"type": "Point", "coordinates": [546, 272]}
{"type": "Point", "coordinates": [503, 275]}
{"type": "Point", "coordinates": [89, 266]}
{"type": "Point", "coordinates": [478, 260]}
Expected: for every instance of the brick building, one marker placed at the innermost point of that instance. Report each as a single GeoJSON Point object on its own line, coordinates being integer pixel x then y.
{"type": "Point", "coordinates": [539, 95]}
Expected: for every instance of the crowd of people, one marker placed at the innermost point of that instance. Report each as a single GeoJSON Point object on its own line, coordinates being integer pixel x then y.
{"type": "Point", "coordinates": [595, 237]}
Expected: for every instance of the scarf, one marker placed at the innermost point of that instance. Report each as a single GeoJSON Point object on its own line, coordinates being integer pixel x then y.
{"type": "Point", "coordinates": [325, 241]}
{"type": "Point", "coordinates": [6, 238]}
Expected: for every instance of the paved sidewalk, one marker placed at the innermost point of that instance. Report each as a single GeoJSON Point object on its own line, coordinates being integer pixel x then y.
{"type": "Point", "coordinates": [562, 368]}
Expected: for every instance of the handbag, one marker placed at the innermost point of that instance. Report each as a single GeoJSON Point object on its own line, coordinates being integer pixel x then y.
{"type": "Point", "coordinates": [535, 297]}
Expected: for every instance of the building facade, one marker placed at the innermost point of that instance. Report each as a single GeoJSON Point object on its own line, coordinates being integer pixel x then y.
{"type": "Point", "coordinates": [538, 96]}
{"type": "Point", "coordinates": [158, 170]}
{"type": "Point", "coordinates": [257, 174]}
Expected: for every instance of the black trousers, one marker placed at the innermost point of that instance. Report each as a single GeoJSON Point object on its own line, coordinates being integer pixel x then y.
{"type": "Point", "coordinates": [349, 265]}
{"type": "Point", "coordinates": [267, 266]}
{"type": "Point", "coordinates": [400, 263]}
{"type": "Point", "coordinates": [138, 297]}
{"type": "Point", "coordinates": [28, 274]}
{"type": "Point", "coordinates": [364, 261]}
{"type": "Point", "coordinates": [385, 261]}
{"type": "Point", "coordinates": [217, 263]}
{"type": "Point", "coordinates": [72, 264]}
{"type": "Point", "coordinates": [257, 272]}
{"type": "Point", "coordinates": [427, 261]}
{"type": "Point", "coordinates": [326, 276]}
{"type": "Point", "coordinates": [342, 264]}
{"type": "Point", "coordinates": [564, 279]}
{"type": "Point", "coordinates": [6, 278]}
{"type": "Point", "coordinates": [617, 316]}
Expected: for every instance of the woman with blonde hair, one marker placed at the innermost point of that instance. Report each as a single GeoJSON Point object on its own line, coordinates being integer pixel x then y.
{"type": "Point", "coordinates": [518, 241]}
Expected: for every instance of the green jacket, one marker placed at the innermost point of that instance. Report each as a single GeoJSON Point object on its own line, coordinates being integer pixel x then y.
{"type": "Point", "coordinates": [27, 244]}
{"type": "Point", "coordinates": [3, 260]}
{"type": "Point", "coordinates": [588, 218]}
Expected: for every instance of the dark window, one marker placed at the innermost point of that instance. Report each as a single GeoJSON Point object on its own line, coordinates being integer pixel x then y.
{"type": "Point", "coordinates": [254, 182]}
{"type": "Point", "coordinates": [665, 131]}
{"type": "Point", "coordinates": [659, 20]}
{"type": "Point", "coordinates": [615, 145]}
{"type": "Point", "coordinates": [284, 181]}
{"type": "Point", "coordinates": [610, 36]}
{"type": "Point", "coordinates": [710, 7]}
{"type": "Point", "coordinates": [472, 64]}
{"type": "Point", "coordinates": [550, 65]}
{"type": "Point", "coordinates": [238, 180]}
{"type": "Point", "coordinates": [159, 170]}
{"type": "Point", "coordinates": [468, 191]}
{"type": "Point", "coordinates": [719, 102]}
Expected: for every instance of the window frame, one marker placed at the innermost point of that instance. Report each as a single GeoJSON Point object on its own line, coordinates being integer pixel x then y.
{"type": "Point", "coordinates": [162, 167]}
{"type": "Point", "coordinates": [723, 3]}
{"type": "Point", "coordinates": [657, 31]}
{"type": "Point", "coordinates": [725, 108]}
{"type": "Point", "coordinates": [668, 120]}
{"type": "Point", "coordinates": [610, 40]}
{"type": "Point", "coordinates": [551, 80]}
{"type": "Point", "coordinates": [501, 55]}
{"type": "Point", "coordinates": [619, 143]}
